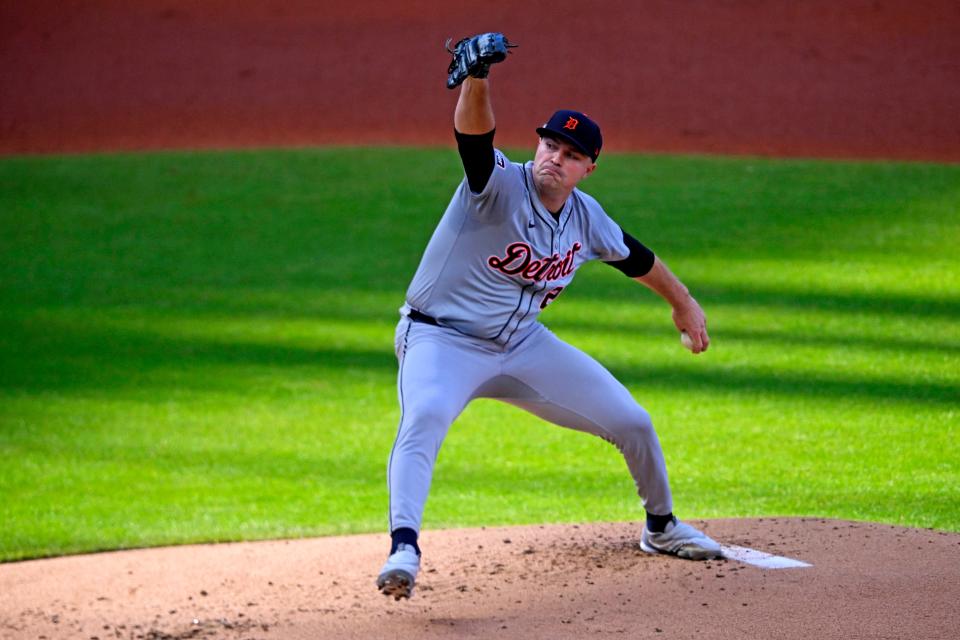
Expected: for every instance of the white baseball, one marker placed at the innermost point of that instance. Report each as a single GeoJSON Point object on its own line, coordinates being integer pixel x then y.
{"type": "Point", "coordinates": [686, 340]}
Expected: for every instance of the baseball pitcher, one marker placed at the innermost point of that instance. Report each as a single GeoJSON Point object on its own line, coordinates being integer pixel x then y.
{"type": "Point", "coordinates": [508, 244]}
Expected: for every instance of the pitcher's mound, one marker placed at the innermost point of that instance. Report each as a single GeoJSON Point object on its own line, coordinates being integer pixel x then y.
{"type": "Point", "coordinates": [550, 581]}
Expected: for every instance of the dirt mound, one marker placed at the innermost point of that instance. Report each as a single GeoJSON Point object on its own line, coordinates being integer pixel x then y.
{"type": "Point", "coordinates": [866, 581]}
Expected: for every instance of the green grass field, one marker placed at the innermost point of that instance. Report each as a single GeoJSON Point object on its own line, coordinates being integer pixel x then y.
{"type": "Point", "coordinates": [198, 346]}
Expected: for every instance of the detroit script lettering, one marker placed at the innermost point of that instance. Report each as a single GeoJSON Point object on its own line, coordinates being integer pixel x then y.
{"type": "Point", "coordinates": [518, 260]}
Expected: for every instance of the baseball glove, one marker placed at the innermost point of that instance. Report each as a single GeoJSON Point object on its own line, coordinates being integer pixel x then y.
{"type": "Point", "coordinates": [473, 56]}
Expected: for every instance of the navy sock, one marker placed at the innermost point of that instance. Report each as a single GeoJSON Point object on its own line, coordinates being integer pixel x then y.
{"type": "Point", "coordinates": [656, 524]}
{"type": "Point", "coordinates": [404, 535]}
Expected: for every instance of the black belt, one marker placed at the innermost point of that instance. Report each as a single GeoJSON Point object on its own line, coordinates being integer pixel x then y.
{"type": "Point", "coordinates": [416, 316]}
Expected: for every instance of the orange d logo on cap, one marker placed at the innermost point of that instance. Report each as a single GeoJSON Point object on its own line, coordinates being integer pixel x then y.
{"type": "Point", "coordinates": [571, 123]}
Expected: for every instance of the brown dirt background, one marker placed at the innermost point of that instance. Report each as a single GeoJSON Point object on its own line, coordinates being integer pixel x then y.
{"type": "Point", "coordinates": [856, 78]}
{"type": "Point", "coordinates": [548, 581]}
{"type": "Point", "coordinates": [862, 79]}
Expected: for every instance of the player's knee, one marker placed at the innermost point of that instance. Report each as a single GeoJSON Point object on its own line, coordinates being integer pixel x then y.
{"type": "Point", "coordinates": [635, 425]}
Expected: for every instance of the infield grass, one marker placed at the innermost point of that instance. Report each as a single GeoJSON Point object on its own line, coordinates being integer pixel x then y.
{"type": "Point", "coordinates": [198, 346]}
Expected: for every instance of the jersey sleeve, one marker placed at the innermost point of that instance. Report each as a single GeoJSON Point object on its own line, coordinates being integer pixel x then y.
{"type": "Point", "coordinates": [638, 262]}
{"type": "Point", "coordinates": [499, 197]}
{"type": "Point", "coordinates": [614, 246]}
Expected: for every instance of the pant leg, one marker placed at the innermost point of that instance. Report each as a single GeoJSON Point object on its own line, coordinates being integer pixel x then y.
{"type": "Point", "coordinates": [437, 377]}
{"type": "Point", "coordinates": [568, 387]}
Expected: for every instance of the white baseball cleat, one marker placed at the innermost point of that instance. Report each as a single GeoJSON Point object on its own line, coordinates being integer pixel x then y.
{"type": "Point", "coordinates": [681, 540]}
{"type": "Point", "coordinates": [398, 575]}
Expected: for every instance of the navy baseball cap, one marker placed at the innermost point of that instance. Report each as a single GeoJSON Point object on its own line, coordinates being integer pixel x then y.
{"type": "Point", "coordinates": [576, 128]}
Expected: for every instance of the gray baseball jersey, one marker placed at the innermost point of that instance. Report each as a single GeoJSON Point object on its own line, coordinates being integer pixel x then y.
{"type": "Point", "coordinates": [498, 257]}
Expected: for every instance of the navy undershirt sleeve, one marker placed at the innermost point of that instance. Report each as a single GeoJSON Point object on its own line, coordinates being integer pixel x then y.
{"type": "Point", "coordinates": [640, 260]}
{"type": "Point", "coordinates": [476, 153]}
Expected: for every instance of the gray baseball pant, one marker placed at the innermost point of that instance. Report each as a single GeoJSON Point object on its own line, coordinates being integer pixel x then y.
{"type": "Point", "coordinates": [441, 370]}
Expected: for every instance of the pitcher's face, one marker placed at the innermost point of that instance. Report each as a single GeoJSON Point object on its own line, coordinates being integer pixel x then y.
{"type": "Point", "coordinates": [559, 166]}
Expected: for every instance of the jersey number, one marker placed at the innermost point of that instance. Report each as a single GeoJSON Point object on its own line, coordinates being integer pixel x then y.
{"type": "Point", "coordinates": [551, 295]}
